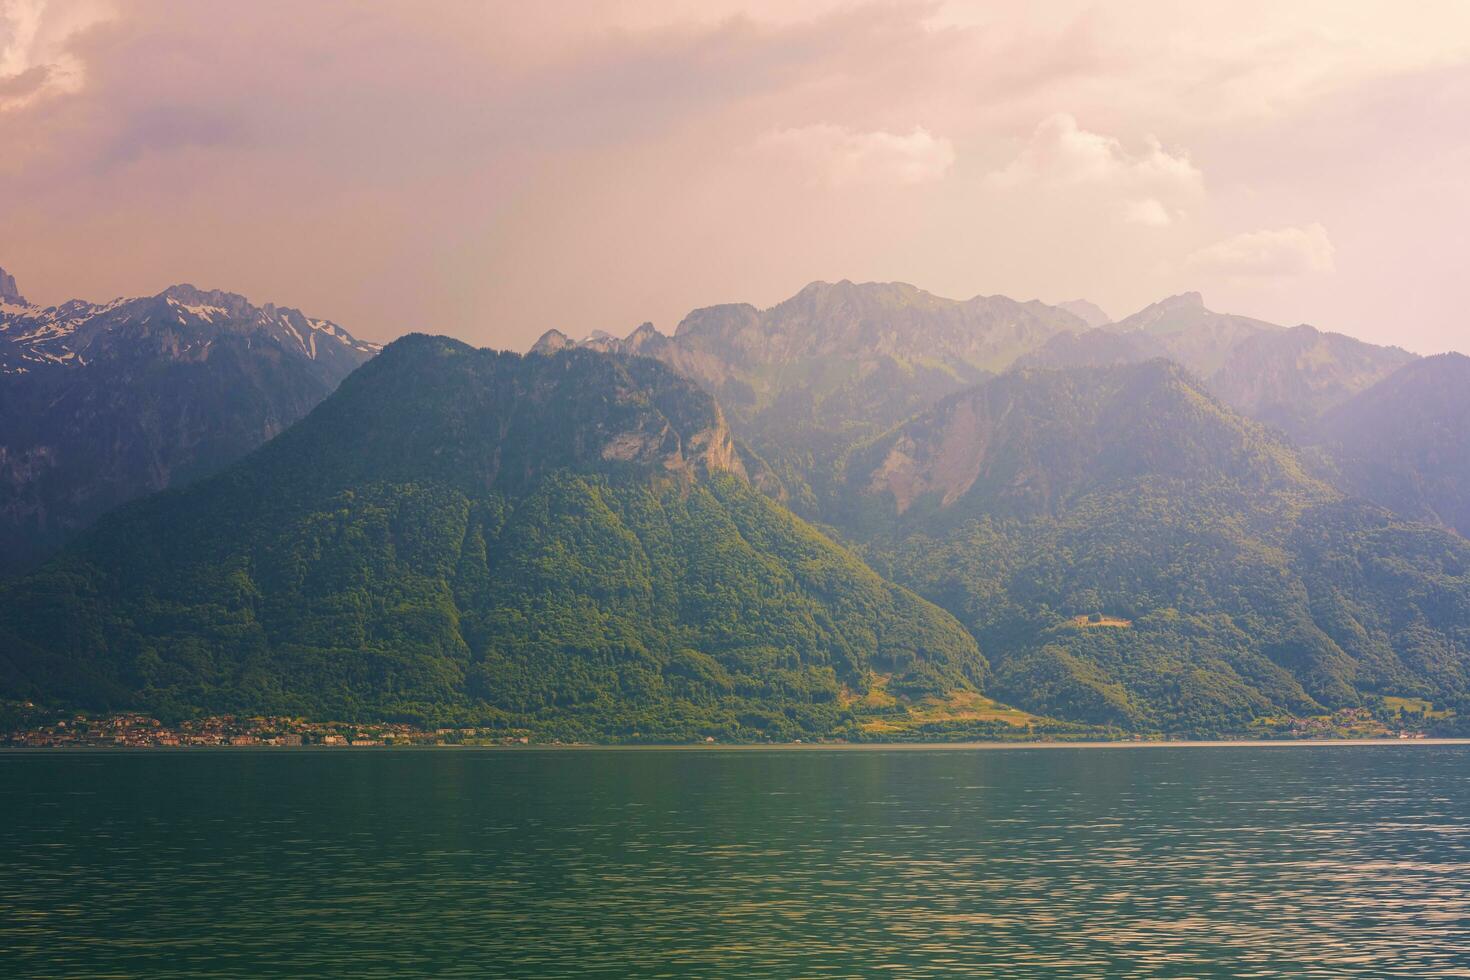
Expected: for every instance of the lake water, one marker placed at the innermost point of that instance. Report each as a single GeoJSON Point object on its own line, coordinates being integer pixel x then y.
{"type": "Point", "coordinates": [1299, 861]}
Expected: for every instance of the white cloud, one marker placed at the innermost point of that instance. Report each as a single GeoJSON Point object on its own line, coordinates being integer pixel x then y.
{"type": "Point", "coordinates": [513, 122]}
{"type": "Point", "coordinates": [34, 36]}
{"type": "Point", "coordinates": [1062, 157]}
{"type": "Point", "coordinates": [1061, 153]}
{"type": "Point", "coordinates": [1148, 211]}
{"type": "Point", "coordinates": [1215, 63]}
{"type": "Point", "coordinates": [838, 156]}
{"type": "Point", "coordinates": [1268, 253]}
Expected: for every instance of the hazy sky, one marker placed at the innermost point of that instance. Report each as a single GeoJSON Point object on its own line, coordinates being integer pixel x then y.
{"type": "Point", "coordinates": [492, 170]}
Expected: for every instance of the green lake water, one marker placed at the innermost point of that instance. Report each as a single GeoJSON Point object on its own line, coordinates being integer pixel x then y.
{"type": "Point", "coordinates": [1289, 861]}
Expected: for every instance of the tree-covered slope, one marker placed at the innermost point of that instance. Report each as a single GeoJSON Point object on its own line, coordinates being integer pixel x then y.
{"type": "Point", "coordinates": [563, 541]}
{"type": "Point", "coordinates": [1129, 550]}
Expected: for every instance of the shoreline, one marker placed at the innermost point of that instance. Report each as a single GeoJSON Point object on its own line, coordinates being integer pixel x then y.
{"type": "Point", "coordinates": [740, 746]}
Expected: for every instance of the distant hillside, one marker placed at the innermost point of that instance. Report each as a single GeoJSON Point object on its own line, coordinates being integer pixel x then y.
{"type": "Point", "coordinates": [1089, 313]}
{"type": "Point", "coordinates": [1283, 377]}
{"type": "Point", "coordinates": [1291, 378]}
{"type": "Point", "coordinates": [560, 541]}
{"type": "Point", "coordinates": [1405, 442]}
{"type": "Point", "coordinates": [102, 403]}
{"type": "Point", "coordinates": [1236, 586]}
{"type": "Point", "coordinates": [838, 363]}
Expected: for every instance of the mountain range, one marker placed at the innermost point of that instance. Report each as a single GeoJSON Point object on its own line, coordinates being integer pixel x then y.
{"type": "Point", "coordinates": [1287, 377]}
{"type": "Point", "coordinates": [461, 535]}
{"type": "Point", "coordinates": [841, 362]}
{"type": "Point", "coordinates": [808, 519]}
{"type": "Point", "coordinates": [105, 402]}
{"type": "Point", "coordinates": [837, 363]}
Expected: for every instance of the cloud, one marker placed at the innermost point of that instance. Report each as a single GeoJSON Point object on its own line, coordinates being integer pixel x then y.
{"type": "Point", "coordinates": [455, 163]}
{"type": "Point", "coordinates": [1147, 211]}
{"type": "Point", "coordinates": [1277, 252]}
{"type": "Point", "coordinates": [838, 156]}
{"type": "Point", "coordinates": [1220, 63]}
{"type": "Point", "coordinates": [1063, 157]}
{"type": "Point", "coordinates": [34, 57]}
{"type": "Point", "coordinates": [1061, 153]}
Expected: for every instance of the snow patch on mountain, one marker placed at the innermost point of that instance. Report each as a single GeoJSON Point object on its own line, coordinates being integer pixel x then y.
{"type": "Point", "coordinates": [32, 336]}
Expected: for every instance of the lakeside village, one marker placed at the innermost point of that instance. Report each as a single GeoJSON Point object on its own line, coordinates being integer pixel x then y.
{"type": "Point", "coordinates": [133, 730]}
{"type": "Point", "coordinates": [141, 731]}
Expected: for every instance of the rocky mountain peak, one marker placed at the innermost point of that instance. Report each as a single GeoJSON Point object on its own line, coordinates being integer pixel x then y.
{"type": "Point", "coordinates": [640, 338]}
{"type": "Point", "coordinates": [232, 305]}
{"type": "Point", "coordinates": [1186, 312]}
{"type": "Point", "coordinates": [713, 321]}
{"type": "Point", "coordinates": [552, 341]}
{"type": "Point", "coordinates": [9, 292]}
{"type": "Point", "coordinates": [106, 402]}
{"type": "Point", "coordinates": [857, 299]}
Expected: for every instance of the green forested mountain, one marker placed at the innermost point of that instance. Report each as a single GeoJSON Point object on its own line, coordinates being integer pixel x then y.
{"type": "Point", "coordinates": [104, 402]}
{"type": "Point", "coordinates": [1129, 550]}
{"type": "Point", "coordinates": [562, 541]}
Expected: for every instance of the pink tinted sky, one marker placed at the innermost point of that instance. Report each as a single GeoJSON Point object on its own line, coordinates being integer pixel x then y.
{"type": "Point", "coordinates": [492, 170]}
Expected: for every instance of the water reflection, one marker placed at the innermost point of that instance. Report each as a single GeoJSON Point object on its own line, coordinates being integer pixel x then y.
{"type": "Point", "coordinates": [1168, 862]}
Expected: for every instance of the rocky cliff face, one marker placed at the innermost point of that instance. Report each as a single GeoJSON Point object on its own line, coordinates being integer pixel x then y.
{"type": "Point", "coordinates": [9, 292]}
{"type": "Point", "coordinates": [486, 420]}
{"type": "Point", "coordinates": [1027, 443]}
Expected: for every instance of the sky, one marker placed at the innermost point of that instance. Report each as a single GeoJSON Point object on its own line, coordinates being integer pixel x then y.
{"type": "Point", "coordinates": [492, 170]}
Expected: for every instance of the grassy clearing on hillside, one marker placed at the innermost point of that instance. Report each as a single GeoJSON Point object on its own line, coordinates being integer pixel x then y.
{"type": "Point", "coordinates": [1417, 706]}
{"type": "Point", "coordinates": [1097, 620]}
{"type": "Point", "coordinates": [956, 707]}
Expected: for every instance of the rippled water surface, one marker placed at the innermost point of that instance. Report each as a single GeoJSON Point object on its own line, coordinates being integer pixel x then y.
{"type": "Point", "coordinates": [1295, 861]}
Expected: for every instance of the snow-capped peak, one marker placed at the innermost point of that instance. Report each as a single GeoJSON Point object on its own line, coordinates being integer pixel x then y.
{"type": "Point", "coordinates": [189, 319]}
